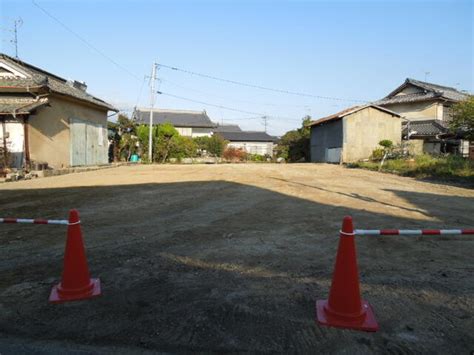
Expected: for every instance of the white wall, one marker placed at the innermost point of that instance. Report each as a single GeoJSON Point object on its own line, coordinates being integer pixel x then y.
{"type": "Point", "coordinates": [15, 142]}
{"type": "Point", "coordinates": [260, 148]}
{"type": "Point", "coordinates": [194, 131]}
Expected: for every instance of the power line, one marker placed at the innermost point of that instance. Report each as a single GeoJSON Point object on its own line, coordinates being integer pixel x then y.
{"type": "Point", "coordinates": [83, 40]}
{"type": "Point", "coordinates": [227, 98]}
{"type": "Point", "coordinates": [258, 86]}
{"type": "Point", "coordinates": [222, 107]}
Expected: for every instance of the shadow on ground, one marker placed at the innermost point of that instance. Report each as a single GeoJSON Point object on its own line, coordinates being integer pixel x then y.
{"type": "Point", "coordinates": [225, 267]}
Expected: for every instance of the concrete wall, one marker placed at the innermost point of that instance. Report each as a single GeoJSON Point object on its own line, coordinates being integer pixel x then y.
{"type": "Point", "coordinates": [325, 136]}
{"type": "Point", "coordinates": [260, 148]}
{"type": "Point", "coordinates": [418, 111]}
{"type": "Point", "coordinates": [415, 146]}
{"type": "Point", "coordinates": [363, 130]}
{"type": "Point", "coordinates": [49, 135]}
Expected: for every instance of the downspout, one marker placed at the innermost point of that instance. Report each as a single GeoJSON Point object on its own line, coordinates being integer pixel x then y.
{"type": "Point", "coordinates": [26, 141]}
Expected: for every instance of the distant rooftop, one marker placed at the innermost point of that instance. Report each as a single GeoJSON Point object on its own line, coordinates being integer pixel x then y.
{"type": "Point", "coordinates": [178, 118]}
{"type": "Point", "coordinates": [228, 128]}
{"type": "Point", "coordinates": [247, 136]}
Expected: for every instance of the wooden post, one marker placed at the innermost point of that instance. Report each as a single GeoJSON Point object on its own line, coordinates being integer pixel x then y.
{"type": "Point", "coordinates": [5, 152]}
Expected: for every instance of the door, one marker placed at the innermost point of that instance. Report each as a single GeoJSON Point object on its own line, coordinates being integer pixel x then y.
{"type": "Point", "coordinates": [78, 134]}
{"type": "Point", "coordinates": [333, 155]}
{"type": "Point", "coordinates": [88, 143]}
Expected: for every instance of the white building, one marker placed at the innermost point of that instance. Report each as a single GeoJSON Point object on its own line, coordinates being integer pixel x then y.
{"type": "Point", "coordinates": [259, 143]}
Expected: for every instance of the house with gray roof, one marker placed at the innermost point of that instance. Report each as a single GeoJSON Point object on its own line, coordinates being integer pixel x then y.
{"type": "Point", "coordinates": [426, 109]}
{"type": "Point", "coordinates": [228, 128]}
{"type": "Point", "coordinates": [188, 123]}
{"type": "Point", "coordinates": [47, 119]}
{"type": "Point", "coordinates": [253, 142]}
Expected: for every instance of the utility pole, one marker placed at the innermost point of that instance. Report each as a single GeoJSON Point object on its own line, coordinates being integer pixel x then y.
{"type": "Point", "coordinates": [152, 103]}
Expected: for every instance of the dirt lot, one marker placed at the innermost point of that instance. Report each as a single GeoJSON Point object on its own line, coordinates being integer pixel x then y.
{"type": "Point", "coordinates": [231, 258]}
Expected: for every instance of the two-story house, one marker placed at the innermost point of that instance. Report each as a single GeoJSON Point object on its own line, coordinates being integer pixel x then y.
{"type": "Point", "coordinates": [426, 112]}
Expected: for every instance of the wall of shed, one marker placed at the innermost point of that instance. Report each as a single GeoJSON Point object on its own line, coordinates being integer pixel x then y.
{"type": "Point", "coordinates": [49, 134]}
{"type": "Point", "coordinates": [325, 136]}
{"type": "Point", "coordinates": [363, 130]}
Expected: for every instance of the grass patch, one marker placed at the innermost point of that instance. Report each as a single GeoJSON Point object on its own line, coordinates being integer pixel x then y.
{"type": "Point", "coordinates": [426, 166]}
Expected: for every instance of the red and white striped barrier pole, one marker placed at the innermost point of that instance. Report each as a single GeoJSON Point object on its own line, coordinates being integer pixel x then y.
{"type": "Point", "coordinates": [413, 231]}
{"type": "Point", "coordinates": [35, 221]}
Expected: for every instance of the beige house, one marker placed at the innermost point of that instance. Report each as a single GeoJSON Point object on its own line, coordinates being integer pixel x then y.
{"type": "Point", "coordinates": [47, 119]}
{"type": "Point", "coordinates": [352, 134]}
{"type": "Point", "coordinates": [188, 123]}
{"type": "Point", "coordinates": [426, 109]}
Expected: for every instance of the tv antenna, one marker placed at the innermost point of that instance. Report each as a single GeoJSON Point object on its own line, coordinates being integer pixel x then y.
{"type": "Point", "coordinates": [16, 25]}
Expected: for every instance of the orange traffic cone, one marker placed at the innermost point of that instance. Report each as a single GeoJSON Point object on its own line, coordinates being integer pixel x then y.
{"type": "Point", "coordinates": [344, 308]}
{"type": "Point", "coordinates": [76, 283]}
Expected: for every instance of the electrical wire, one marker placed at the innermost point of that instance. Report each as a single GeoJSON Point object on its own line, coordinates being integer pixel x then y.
{"type": "Point", "coordinates": [83, 40]}
{"type": "Point", "coordinates": [282, 91]}
{"type": "Point", "coordinates": [223, 107]}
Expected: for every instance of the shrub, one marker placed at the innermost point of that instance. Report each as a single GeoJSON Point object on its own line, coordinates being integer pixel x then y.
{"type": "Point", "coordinates": [377, 154]}
{"type": "Point", "coordinates": [234, 154]}
{"type": "Point", "coordinates": [182, 147]}
{"type": "Point", "coordinates": [214, 145]}
{"type": "Point", "coordinates": [386, 143]}
{"type": "Point", "coordinates": [256, 157]}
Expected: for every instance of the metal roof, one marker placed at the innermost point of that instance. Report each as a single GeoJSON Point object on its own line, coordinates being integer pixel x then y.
{"type": "Point", "coordinates": [247, 136]}
{"type": "Point", "coordinates": [429, 92]}
{"type": "Point", "coordinates": [349, 111]}
{"type": "Point", "coordinates": [36, 78]}
{"type": "Point", "coordinates": [178, 118]}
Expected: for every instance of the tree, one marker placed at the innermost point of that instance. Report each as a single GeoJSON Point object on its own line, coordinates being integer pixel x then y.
{"type": "Point", "coordinates": [463, 118]}
{"type": "Point", "coordinates": [214, 145]}
{"type": "Point", "coordinates": [164, 140]}
{"type": "Point", "coordinates": [294, 145]}
{"type": "Point", "coordinates": [124, 137]}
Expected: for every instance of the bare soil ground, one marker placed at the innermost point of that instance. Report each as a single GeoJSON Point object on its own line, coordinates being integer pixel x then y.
{"type": "Point", "coordinates": [231, 258]}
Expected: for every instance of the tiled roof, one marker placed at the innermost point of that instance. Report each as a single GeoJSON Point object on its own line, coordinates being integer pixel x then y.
{"type": "Point", "coordinates": [247, 136]}
{"type": "Point", "coordinates": [18, 105]}
{"type": "Point", "coordinates": [425, 128]}
{"type": "Point", "coordinates": [228, 128]}
{"type": "Point", "coordinates": [178, 118]}
{"type": "Point", "coordinates": [349, 111]}
{"type": "Point", "coordinates": [430, 92]}
{"type": "Point", "coordinates": [38, 78]}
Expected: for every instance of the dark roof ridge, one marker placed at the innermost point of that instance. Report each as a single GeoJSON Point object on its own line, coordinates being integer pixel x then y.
{"type": "Point", "coordinates": [31, 66]}
{"type": "Point", "coordinates": [416, 81]}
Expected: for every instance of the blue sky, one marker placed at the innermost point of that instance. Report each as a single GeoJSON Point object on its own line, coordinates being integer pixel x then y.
{"type": "Point", "coordinates": [356, 50]}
